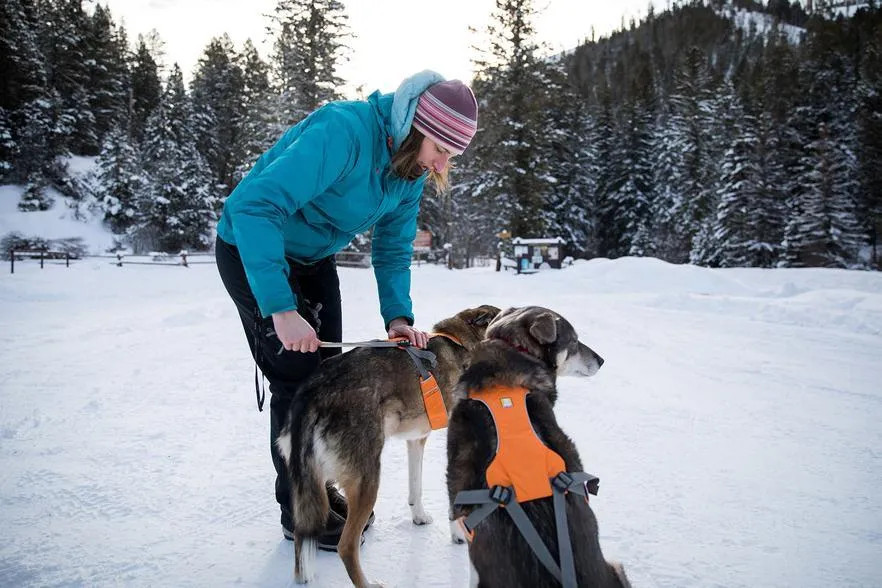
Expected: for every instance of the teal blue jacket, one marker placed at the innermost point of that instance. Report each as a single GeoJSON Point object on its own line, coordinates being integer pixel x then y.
{"type": "Point", "coordinates": [327, 179]}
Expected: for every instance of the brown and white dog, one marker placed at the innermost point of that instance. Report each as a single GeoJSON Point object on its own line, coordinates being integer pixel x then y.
{"type": "Point", "coordinates": [340, 420]}
{"type": "Point", "coordinates": [525, 348]}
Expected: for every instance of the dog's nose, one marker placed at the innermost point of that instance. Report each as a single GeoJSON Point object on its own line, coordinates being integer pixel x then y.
{"type": "Point", "coordinates": [599, 360]}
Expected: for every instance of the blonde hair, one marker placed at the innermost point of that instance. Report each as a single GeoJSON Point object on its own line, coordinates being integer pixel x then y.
{"type": "Point", "coordinates": [406, 166]}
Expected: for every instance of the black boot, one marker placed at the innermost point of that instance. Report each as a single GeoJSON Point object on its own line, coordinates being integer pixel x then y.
{"type": "Point", "coordinates": [338, 504]}
{"type": "Point", "coordinates": [329, 537]}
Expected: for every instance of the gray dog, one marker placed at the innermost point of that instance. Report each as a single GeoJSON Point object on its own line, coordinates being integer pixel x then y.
{"type": "Point", "coordinates": [525, 348]}
{"type": "Point", "coordinates": [340, 420]}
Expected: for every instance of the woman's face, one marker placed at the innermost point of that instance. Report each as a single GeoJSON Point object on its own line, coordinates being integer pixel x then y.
{"type": "Point", "coordinates": [432, 156]}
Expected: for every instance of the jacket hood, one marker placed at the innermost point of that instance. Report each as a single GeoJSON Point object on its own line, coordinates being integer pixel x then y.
{"type": "Point", "coordinates": [395, 111]}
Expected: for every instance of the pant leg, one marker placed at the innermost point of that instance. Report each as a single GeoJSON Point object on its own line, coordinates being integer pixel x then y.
{"type": "Point", "coordinates": [285, 372]}
{"type": "Point", "coordinates": [319, 289]}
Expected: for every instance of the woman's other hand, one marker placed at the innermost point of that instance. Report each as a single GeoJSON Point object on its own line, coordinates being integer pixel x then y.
{"type": "Point", "coordinates": [399, 328]}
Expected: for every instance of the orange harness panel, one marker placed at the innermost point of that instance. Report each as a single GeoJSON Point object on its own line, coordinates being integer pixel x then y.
{"type": "Point", "coordinates": [436, 410]}
{"type": "Point", "coordinates": [522, 460]}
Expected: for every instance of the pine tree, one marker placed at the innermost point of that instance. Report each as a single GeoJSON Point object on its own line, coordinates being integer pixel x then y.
{"type": "Point", "coordinates": [176, 210]}
{"type": "Point", "coordinates": [218, 108]}
{"type": "Point", "coordinates": [668, 167]}
{"type": "Point", "coordinates": [733, 236]}
{"type": "Point", "coordinates": [509, 81]}
{"type": "Point", "coordinates": [869, 137]}
{"type": "Point", "coordinates": [692, 123]}
{"type": "Point", "coordinates": [26, 103]}
{"type": "Point", "coordinates": [121, 181]}
{"type": "Point", "coordinates": [573, 162]}
{"type": "Point", "coordinates": [823, 230]}
{"type": "Point", "coordinates": [146, 89]}
{"type": "Point", "coordinates": [36, 196]}
{"type": "Point", "coordinates": [824, 227]}
{"type": "Point", "coordinates": [108, 74]}
{"type": "Point", "coordinates": [260, 127]}
{"type": "Point", "coordinates": [630, 205]}
{"type": "Point", "coordinates": [63, 39]}
{"type": "Point", "coordinates": [309, 45]}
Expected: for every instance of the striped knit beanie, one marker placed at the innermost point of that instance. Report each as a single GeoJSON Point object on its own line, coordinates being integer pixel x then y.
{"type": "Point", "coordinates": [447, 113]}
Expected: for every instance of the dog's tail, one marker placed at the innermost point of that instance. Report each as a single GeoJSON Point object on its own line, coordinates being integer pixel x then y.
{"type": "Point", "coordinates": [309, 498]}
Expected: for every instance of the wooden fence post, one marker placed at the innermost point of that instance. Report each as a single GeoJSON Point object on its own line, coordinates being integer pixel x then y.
{"type": "Point", "coordinates": [12, 261]}
{"type": "Point", "coordinates": [118, 260]}
{"type": "Point", "coordinates": [41, 258]}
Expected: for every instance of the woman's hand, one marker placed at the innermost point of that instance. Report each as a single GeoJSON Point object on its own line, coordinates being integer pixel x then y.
{"type": "Point", "coordinates": [294, 332]}
{"type": "Point", "coordinates": [399, 328]}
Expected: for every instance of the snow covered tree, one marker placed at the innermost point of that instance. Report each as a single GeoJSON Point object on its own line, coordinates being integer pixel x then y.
{"type": "Point", "coordinates": [146, 89]}
{"type": "Point", "coordinates": [824, 228]}
{"type": "Point", "coordinates": [733, 238]}
{"type": "Point", "coordinates": [823, 231]}
{"type": "Point", "coordinates": [261, 127]}
{"type": "Point", "coordinates": [510, 82]}
{"type": "Point", "coordinates": [218, 109]}
{"type": "Point", "coordinates": [108, 75]}
{"type": "Point", "coordinates": [668, 165]}
{"type": "Point", "coordinates": [690, 128]}
{"type": "Point", "coordinates": [573, 162]}
{"type": "Point", "coordinates": [36, 196]}
{"type": "Point", "coordinates": [63, 38]}
{"type": "Point", "coordinates": [121, 181]}
{"type": "Point", "coordinates": [309, 45]}
{"type": "Point", "coordinates": [177, 208]}
{"type": "Point", "coordinates": [869, 138]}
{"type": "Point", "coordinates": [629, 202]}
{"type": "Point", "coordinates": [26, 102]}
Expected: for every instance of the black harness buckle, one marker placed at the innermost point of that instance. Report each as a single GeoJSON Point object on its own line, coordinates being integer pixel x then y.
{"type": "Point", "coordinates": [501, 494]}
{"type": "Point", "coordinates": [562, 482]}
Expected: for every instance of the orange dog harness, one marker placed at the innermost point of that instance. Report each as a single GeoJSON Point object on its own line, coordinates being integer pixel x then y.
{"type": "Point", "coordinates": [522, 461]}
{"type": "Point", "coordinates": [433, 400]}
{"type": "Point", "coordinates": [525, 469]}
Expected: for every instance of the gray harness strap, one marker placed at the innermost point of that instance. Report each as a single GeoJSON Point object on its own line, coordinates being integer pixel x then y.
{"type": "Point", "coordinates": [418, 356]}
{"type": "Point", "coordinates": [498, 496]}
{"type": "Point", "coordinates": [488, 500]}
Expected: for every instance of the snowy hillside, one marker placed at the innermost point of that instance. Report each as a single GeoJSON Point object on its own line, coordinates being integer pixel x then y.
{"type": "Point", "coordinates": [760, 23]}
{"type": "Point", "coordinates": [66, 219]}
{"type": "Point", "coordinates": [734, 427]}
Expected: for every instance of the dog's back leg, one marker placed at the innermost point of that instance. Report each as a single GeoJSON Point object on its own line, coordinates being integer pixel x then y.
{"type": "Point", "coordinates": [361, 493]}
{"type": "Point", "coordinates": [415, 449]}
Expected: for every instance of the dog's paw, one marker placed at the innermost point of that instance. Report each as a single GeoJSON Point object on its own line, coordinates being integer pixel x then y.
{"type": "Point", "coordinates": [457, 534]}
{"type": "Point", "coordinates": [376, 584]}
{"type": "Point", "coordinates": [419, 516]}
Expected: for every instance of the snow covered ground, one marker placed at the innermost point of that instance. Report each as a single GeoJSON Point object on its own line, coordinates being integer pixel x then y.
{"type": "Point", "coordinates": [735, 427]}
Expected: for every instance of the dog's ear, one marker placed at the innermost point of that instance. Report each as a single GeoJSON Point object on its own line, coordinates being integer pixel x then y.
{"type": "Point", "coordinates": [483, 315]}
{"type": "Point", "coordinates": [544, 328]}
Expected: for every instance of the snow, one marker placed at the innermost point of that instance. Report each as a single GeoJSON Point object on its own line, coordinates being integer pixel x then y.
{"type": "Point", "coordinates": [63, 221]}
{"type": "Point", "coordinates": [734, 426]}
{"type": "Point", "coordinates": [758, 23]}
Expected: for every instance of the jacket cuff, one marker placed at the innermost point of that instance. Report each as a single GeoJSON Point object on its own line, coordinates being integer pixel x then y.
{"type": "Point", "coordinates": [408, 318]}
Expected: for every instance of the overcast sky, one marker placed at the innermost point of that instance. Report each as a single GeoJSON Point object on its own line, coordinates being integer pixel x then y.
{"type": "Point", "coordinates": [394, 38]}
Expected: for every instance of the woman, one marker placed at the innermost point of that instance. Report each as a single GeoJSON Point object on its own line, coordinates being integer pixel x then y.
{"type": "Point", "coordinates": [346, 167]}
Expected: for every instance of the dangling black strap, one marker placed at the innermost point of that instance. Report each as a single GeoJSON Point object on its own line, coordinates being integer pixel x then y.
{"type": "Point", "coordinates": [260, 397]}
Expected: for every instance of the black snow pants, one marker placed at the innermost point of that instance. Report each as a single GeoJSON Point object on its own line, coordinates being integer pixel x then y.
{"type": "Point", "coordinates": [317, 290]}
